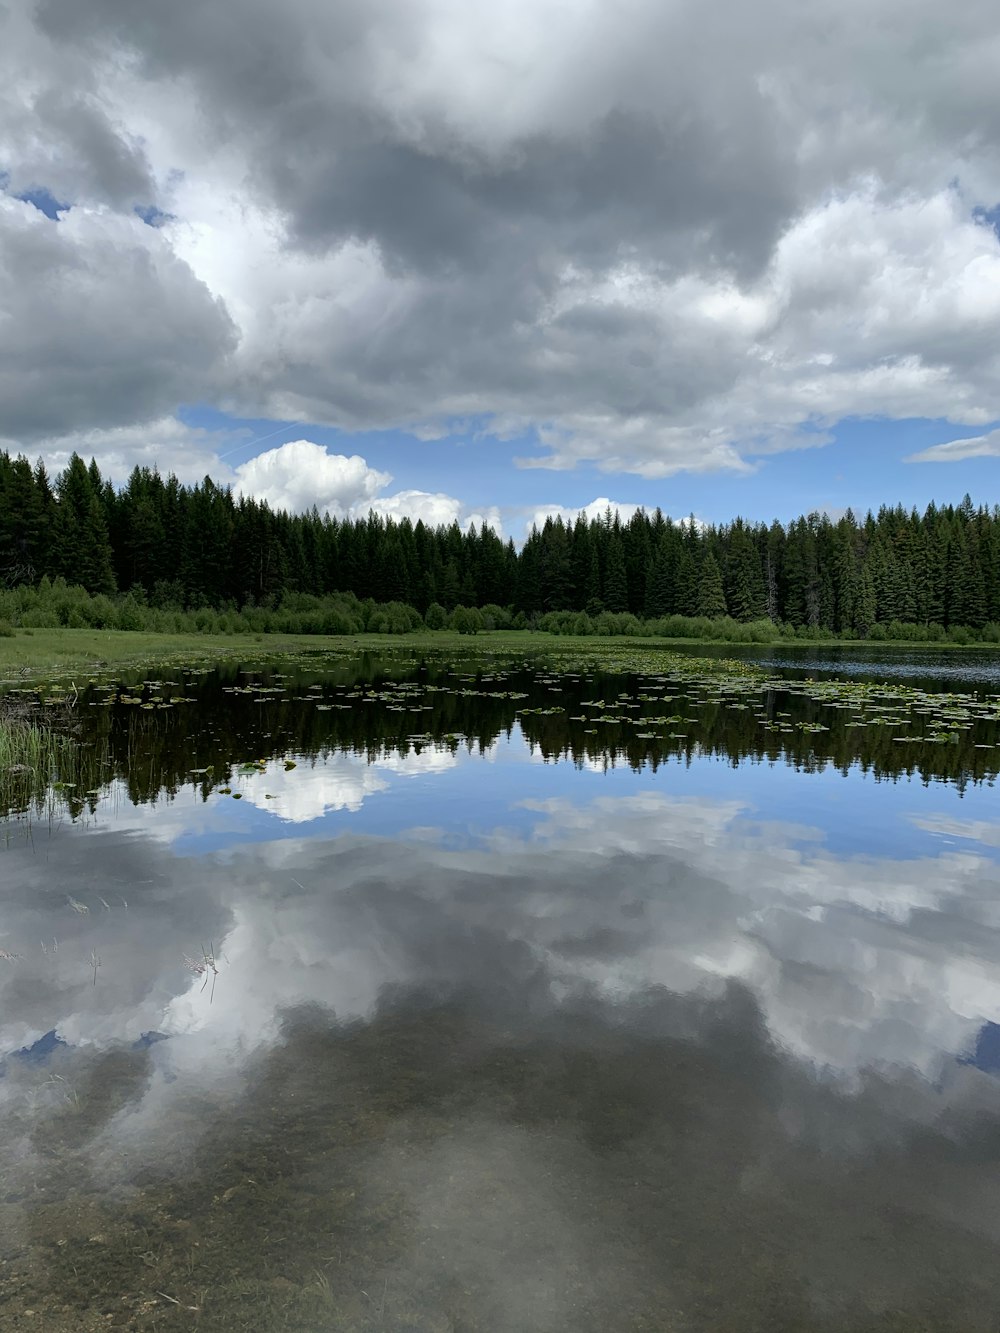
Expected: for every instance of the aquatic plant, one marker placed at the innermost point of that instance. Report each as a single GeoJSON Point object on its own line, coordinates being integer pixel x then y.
{"type": "Point", "coordinates": [32, 757]}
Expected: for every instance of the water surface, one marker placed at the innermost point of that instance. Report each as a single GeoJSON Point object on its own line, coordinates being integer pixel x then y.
{"type": "Point", "coordinates": [407, 994]}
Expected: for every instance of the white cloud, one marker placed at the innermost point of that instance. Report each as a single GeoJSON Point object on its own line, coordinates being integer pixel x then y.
{"type": "Point", "coordinates": [167, 444]}
{"type": "Point", "coordinates": [297, 475]}
{"type": "Point", "coordinates": [957, 451]}
{"type": "Point", "coordinates": [659, 237]}
{"type": "Point", "coordinates": [435, 508]}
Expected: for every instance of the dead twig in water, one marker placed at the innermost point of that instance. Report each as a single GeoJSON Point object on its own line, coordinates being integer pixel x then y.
{"type": "Point", "coordinates": [204, 966]}
{"type": "Point", "coordinates": [196, 1309]}
{"type": "Point", "coordinates": [380, 1307]}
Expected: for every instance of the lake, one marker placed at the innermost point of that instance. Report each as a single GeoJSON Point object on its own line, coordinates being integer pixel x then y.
{"type": "Point", "coordinates": [508, 994]}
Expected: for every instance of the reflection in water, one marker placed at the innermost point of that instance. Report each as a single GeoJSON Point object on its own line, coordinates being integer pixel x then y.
{"type": "Point", "coordinates": [647, 1060]}
{"type": "Point", "coordinates": [157, 739]}
{"type": "Point", "coordinates": [930, 668]}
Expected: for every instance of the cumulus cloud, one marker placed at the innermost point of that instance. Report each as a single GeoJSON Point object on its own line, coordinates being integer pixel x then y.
{"type": "Point", "coordinates": [101, 323]}
{"type": "Point", "coordinates": [957, 451]}
{"type": "Point", "coordinates": [435, 508]}
{"type": "Point", "coordinates": [658, 238]}
{"type": "Point", "coordinates": [166, 444]}
{"type": "Point", "coordinates": [297, 475]}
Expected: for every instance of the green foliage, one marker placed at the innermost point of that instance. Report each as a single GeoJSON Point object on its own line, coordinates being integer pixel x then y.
{"type": "Point", "coordinates": [466, 620]}
{"type": "Point", "coordinates": [711, 597]}
{"type": "Point", "coordinates": [196, 558]}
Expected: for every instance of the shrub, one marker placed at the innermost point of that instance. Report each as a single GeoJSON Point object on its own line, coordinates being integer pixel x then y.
{"type": "Point", "coordinates": [495, 617]}
{"type": "Point", "coordinates": [466, 620]}
{"type": "Point", "coordinates": [132, 615]}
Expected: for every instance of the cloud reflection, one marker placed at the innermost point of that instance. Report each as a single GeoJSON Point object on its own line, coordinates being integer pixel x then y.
{"type": "Point", "coordinates": [854, 960]}
{"type": "Point", "coordinates": [646, 1050]}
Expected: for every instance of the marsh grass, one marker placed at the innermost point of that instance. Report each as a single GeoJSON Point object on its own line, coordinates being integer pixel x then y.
{"type": "Point", "coordinates": [33, 756]}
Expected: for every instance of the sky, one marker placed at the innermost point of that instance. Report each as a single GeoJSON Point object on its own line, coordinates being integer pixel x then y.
{"type": "Point", "coordinates": [485, 263]}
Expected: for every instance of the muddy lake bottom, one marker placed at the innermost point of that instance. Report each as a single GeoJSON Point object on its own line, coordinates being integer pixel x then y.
{"type": "Point", "coordinates": [399, 992]}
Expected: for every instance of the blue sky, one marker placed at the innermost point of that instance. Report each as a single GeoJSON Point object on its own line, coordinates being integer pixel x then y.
{"type": "Point", "coordinates": [864, 464]}
{"type": "Point", "coordinates": [470, 264]}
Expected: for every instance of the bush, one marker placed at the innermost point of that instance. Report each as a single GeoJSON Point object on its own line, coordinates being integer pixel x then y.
{"type": "Point", "coordinates": [466, 620]}
{"type": "Point", "coordinates": [393, 618]}
{"type": "Point", "coordinates": [557, 622]}
{"type": "Point", "coordinates": [495, 617]}
{"type": "Point", "coordinates": [167, 594]}
{"type": "Point", "coordinates": [132, 615]}
{"type": "Point", "coordinates": [6, 629]}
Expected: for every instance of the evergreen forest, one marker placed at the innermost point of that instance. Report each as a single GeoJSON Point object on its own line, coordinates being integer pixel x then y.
{"type": "Point", "coordinates": [158, 545]}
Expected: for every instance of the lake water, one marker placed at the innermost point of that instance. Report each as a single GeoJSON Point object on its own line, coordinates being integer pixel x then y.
{"type": "Point", "coordinates": [406, 994]}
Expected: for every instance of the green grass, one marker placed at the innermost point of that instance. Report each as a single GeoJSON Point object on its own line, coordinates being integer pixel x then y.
{"type": "Point", "coordinates": [40, 652]}
{"type": "Point", "coordinates": [25, 745]}
{"type": "Point", "coordinates": [31, 757]}
{"type": "Point", "coordinates": [75, 653]}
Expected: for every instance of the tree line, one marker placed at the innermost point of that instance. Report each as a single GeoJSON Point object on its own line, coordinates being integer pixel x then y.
{"type": "Point", "coordinates": [191, 548]}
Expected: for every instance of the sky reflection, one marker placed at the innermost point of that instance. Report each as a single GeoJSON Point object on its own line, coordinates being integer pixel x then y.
{"type": "Point", "coordinates": [513, 1042]}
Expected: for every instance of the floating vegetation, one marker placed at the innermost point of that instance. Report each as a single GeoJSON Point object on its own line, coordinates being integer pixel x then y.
{"type": "Point", "coordinates": [633, 705]}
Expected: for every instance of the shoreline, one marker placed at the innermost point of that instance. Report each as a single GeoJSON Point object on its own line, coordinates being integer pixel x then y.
{"type": "Point", "coordinates": [29, 655]}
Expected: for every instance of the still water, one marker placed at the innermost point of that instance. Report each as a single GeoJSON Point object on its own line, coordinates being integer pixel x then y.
{"type": "Point", "coordinates": [407, 994]}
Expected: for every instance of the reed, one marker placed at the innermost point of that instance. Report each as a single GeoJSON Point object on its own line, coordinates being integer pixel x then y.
{"type": "Point", "coordinates": [32, 757]}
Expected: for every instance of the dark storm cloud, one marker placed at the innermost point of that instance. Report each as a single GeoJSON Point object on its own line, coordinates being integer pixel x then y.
{"type": "Point", "coordinates": [683, 180]}
{"type": "Point", "coordinates": [657, 234]}
{"type": "Point", "coordinates": [102, 324]}
{"type": "Point", "coordinates": [68, 145]}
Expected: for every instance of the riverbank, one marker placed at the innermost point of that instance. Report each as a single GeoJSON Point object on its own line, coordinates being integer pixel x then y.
{"type": "Point", "coordinates": [28, 655]}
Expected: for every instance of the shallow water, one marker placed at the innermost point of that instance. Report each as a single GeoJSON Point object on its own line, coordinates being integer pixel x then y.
{"type": "Point", "coordinates": [930, 668]}
{"type": "Point", "coordinates": [397, 994]}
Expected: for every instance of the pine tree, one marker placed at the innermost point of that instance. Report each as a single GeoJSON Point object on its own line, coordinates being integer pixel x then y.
{"type": "Point", "coordinates": [615, 581]}
{"type": "Point", "coordinates": [82, 548]}
{"type": "Point", "coordinates": [744, 584]}
{"type": "Point", "coordinates": [660, 583]}
{"type": "Point", "coordinates": [711, 596]}
{"type": "Point", "coordinates": [864, 602]}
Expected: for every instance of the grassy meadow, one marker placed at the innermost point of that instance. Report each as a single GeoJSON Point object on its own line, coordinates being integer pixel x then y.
{"type": "Point", "coordinates": [27, 655]}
